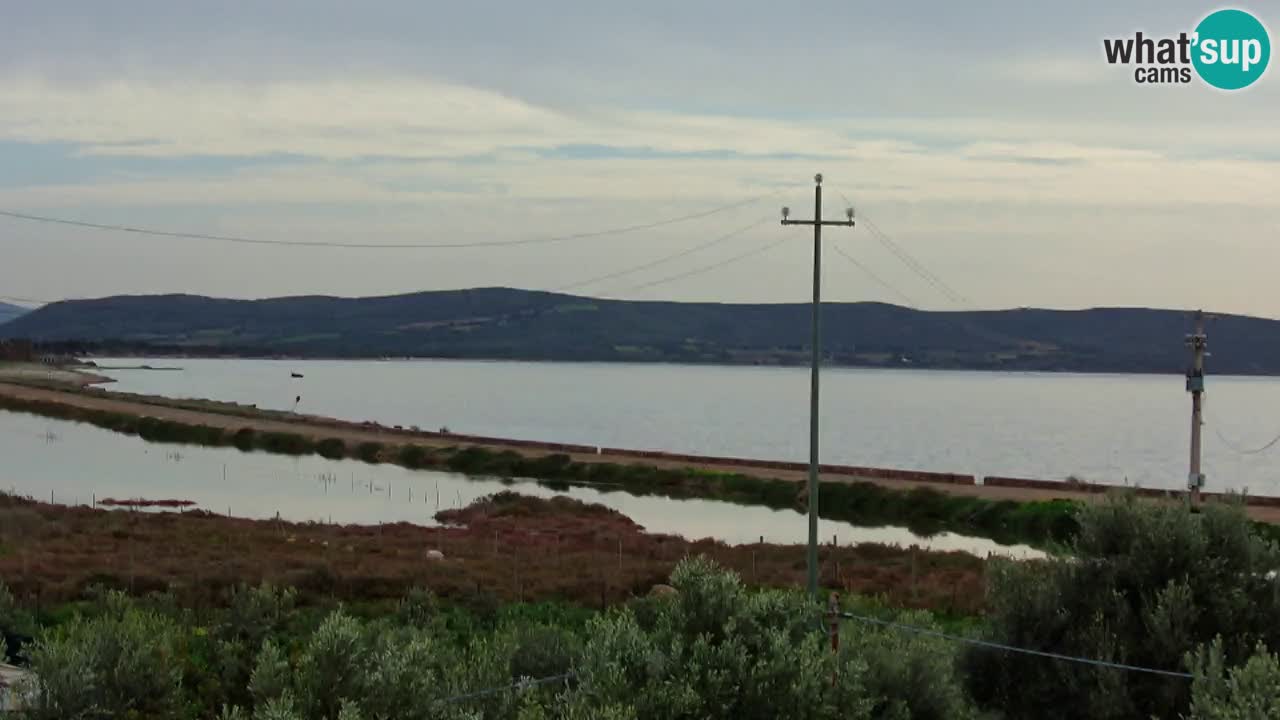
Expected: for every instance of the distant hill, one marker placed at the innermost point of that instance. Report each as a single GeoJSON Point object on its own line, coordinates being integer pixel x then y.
{"type": "Point", "coordinates": [518, 324]}
{"type": "Point", "coordinates": [9, 312]}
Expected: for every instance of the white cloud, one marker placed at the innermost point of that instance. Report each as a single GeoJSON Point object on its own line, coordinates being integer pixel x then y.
{"type": "Point", "coordinates": [411, 121]}
{"type": "Point", "coordinates": [355, 118]}
{"type": "Point", "coordinates": [1019, 210]}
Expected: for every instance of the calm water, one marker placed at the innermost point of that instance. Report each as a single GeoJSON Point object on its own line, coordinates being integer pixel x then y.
{"type": "Point", "coordinates": [72, 463]}
{"type": "Point", "coordinates": [1103, 428]}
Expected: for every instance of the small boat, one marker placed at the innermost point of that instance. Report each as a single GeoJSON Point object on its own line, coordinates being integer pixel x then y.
{"type": "Point", "coordinates": [297, 375]}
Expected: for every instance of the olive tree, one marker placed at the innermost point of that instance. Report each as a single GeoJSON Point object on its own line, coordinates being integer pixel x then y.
{"type": "Point", "coordinates": [121, 663]}
{"type": "Point", "coordinates": [714, 650]}
{"type": "Point", "coordinates": [1250, 691]}
{"type": "Point", "coordinates": [1144, 583]}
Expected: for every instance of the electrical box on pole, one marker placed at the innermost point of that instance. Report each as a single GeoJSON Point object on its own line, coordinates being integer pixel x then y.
{"type": "Point", "coordinates": [1197, 342]}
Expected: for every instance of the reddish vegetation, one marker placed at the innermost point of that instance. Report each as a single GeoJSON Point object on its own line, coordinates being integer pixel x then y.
{"type": "Point", "coordinates": [141, 503]}
{"type": "Point", "coordinates": [509, 549]}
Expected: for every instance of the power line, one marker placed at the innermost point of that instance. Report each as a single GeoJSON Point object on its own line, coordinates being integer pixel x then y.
{"type": "Point", "coordinates": [705, 268]}
{"type": "Point", "coordinates": [915, 265]}
{"type": "Point", "coordinates": [871, 274]}
{"type": "Point", "coordinates": [664, 259]}
{"type": "Point", "coordinates": [907, 259]}
{"type": "Point", "coordinates": [590, 281]}
{"type": "Point", "coordinates": [1012, 648]}
{"type": "Point", "coordinates": [388, 246]}
{"type": "Point", "coordinates": [1240, 450]}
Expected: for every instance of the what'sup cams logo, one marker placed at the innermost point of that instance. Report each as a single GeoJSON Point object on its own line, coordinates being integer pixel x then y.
{"type": "Point", "coordinates": [1228, 50]}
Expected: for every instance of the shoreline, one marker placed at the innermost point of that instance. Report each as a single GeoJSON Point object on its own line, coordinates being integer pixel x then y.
{"type": "Point", "coordinates": [231, 417]}
{"type": "Point", "coordinates": [686, 362]}
{"type": "Point", "coordinates": [24, 372]}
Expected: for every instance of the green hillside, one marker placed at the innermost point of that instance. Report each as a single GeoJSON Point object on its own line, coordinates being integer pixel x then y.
{"type": "Point", "coordinates": [519, 324]}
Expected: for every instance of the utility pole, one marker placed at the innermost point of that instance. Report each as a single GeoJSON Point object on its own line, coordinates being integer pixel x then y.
{"type": "Point", "coordinates": [817, 222]}
{"type": "Point", "coordinates": [1197, 341]}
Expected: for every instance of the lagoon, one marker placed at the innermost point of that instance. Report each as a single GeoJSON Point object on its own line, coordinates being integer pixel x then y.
{"type": "Point", "coordinates": [1117, 429]}
{"type": "Point", "coordinates": [74, 463]}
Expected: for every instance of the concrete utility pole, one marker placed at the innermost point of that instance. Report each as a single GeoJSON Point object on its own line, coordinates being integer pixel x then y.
{"type": "Point", "coordinates": [1197, 341]}
{"type": "Point", "coordinates": [817, 222]}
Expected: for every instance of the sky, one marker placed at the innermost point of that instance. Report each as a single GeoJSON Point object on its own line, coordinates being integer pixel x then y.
{"type": "Point", "coordinates": [989, 141]}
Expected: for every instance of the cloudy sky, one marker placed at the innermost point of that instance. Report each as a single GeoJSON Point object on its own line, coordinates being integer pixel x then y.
{"type": "Point", "coordinates": [989, 140]}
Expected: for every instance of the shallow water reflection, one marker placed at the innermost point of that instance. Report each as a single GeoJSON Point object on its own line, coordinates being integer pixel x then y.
{"type": "Point", "coordinates": [74, 463]}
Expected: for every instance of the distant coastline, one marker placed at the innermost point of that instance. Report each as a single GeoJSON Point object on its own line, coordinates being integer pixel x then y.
{"type": "Point", "coordinates": [532, 326]}
{"type": "Point", "coordinates": [152, 353]}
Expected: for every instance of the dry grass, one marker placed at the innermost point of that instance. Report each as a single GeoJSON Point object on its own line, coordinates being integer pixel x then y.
{"type": "Point", "coordinates": [513, 549]}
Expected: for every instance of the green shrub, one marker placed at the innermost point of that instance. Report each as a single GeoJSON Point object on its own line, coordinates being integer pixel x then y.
{"type": "Point", "coordinates": [418, 608]}
{"type": "Point", "coordinates": [713, 650]}
{"type": "Point", "coordinates": [543, 651]}
{"type": "Point", "coordinates": [332, 666]}
{"type": "Point", "coordinates": [14, 622]}
{"type": "Point", "coordinates": [208, 435]}
{"type": "Point", "coordinates": [412, 456]}
{"type": "Point", "coordinates": [369, 451]}
{"type": "Point", "coordinates": [546, 467]}
{"type": "Point", "coordinates": [904, 668]}
{"type": "Point", "coordinates": [286, 443]}
{"type": "Point", "coordinates": [482, 461]}
{"type": "Point", "coordinates": [332, 448]}
{"type": "Point", "coordinates": [1243, 692]}
{"type": "Point", "coordinates": [1144, 583]}
{"type": "Point", "coordinates": [244, 439]}
{"type": "Point", "coordinates": [119, 664]}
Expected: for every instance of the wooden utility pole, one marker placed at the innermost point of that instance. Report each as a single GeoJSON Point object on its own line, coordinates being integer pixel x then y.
{"type": "Point", "coordinates": [1197, 341]}
{"type": "Point", "coordinates": [817, 222]}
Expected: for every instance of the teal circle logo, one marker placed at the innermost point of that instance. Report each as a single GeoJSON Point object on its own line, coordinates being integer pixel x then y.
{"type": "Point", "coordinates": [1231, 49]}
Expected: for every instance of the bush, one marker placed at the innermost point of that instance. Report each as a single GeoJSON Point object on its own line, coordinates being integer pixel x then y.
{"type": "Point", "coordinates": [369, 451]}
{"type": "Point", "coordinates": [332, 666]}
{"type": "Point", "coordinates": [413, 456]}
{"type": "Point", "coordinates": [905, 670]}
{"type": "Point", "coordinates": [244, 439]}
{"type": "Point", "coordinates": [254, 614]}
{"type": "Point", "coordinates": [1248, 691]}
{"type": "Point", "coordinates": [332, 448]}
{"type": "Point", "coordinates": [714, 650]}
{"type": "Point", "coordinates": [208, 435]}
{"type": "Point", "coordinates": [120, 664]}
{"type": "Point", "coordinates": [546, 467]}
{"type": "Point", "coordinates": [347, 669]}
{"type": "Point", "coordinates": [418, 608]}
{"type": "Point", "coordinates": [286, 443]}
{"type": "Point", "coordinates": [1145, 584]}
{"type": "Point", "coordinates": [482, 461]}
{"type": "Point", "coordinates": [16, 625]}
{"type": "Point", "coordinates": [543, 651]}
